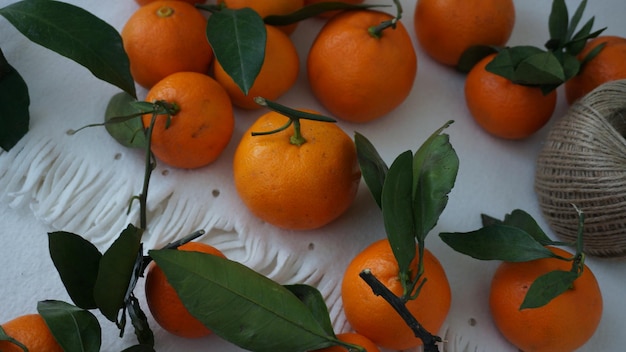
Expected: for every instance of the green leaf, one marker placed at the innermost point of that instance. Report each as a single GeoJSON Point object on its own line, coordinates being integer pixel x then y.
{"type": "Point", "coordinates": [559, 22]}
{"type": "Point", "coordinates": [238, 40]}
{"type": "Point", "coordinates": [77, 261]}
{"type": "Point", "coordinates": [373, 167]}
{"type": "Point", "coordinates": [76, 34]}
{"type": "Point", "coordinates": [129, 132]}
{"type": "Point", "coordinates": [140, 322]}
{"type": "Point", "coordinates": [268, 316]}
{"type": "Point", "coordinates": [571, 66]}
{"type": "Point", "coordinates": [5, 337]}
{"type": "Point", "coordinates": [539, 69]}
{"type": "Point", "coordinates": [473, 55]}
{"type": "Point", "coordinates": [312, 11]}
{"type": "Point", "coordinates": [575, 20]}
{"type": "Point", "coordinates": [313, 299]}
{"type": "Point", "coordinates": [75, 329]}
{"type": "Point", "coordinates": [14, 103]}
{"type": "Point", "coordinates": [116, 270]}
{"type": "Point", "coordinates": [397, 206]}
{"type": "Point", "coordinates": [435, 166]}
{"type": "Point", "coordinates": [497, 242]}
{"type": "Point", "coordinates": [547, 287]}
{"type": "Point", "coordinates": [506, 61]}
{"type": "Point", "coordinates": [525, 222]}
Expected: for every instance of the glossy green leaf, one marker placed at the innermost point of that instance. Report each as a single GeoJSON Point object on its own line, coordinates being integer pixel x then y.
{"type": "Point", "coordinates": [558, 21]}
{"type": "Point", "coordinates": [14, 103]}
{"type": "Point", "coordinates": [238, 40]}
{"type": "Point", "coordinates": [313, 10]}
{"type": "Point", "coordinates": [435, 167]}
{"type": "Point", "coordinates": [313, 299]}
{"type": "Point", "coordinates": [115, 272]}
{"type": "Point", "coordinates": [506, 61]}
{"type": "Point", "coordinates": [524, 221]}
{"type": "Point", "coordinates": [547, 287]}
{"type": "Point", "coordinates": [127, 130]}
{"type": "Point", "coordinates": [140, 322]}
{"type": "Point", "coordinates": [397, 206]}
{"type": "Point", "coordinates": [5, 337]}
{"type": "Point", "coordinates": [497, 242]}
{"type": "Point", "coordinates": [473, 55]}
{"type": "Point", "coordinates": [268, 316]}
{"type": "Point", "coordinates": [76, 34]}
{"type": "Point", "coordinates": [539, 69]}
{"type": "Point", "coordinates": [373, 167]}
{"type": "Point", "coordinates": [75, 329]}
{"type": "Point", "coordinates": [77, 261]}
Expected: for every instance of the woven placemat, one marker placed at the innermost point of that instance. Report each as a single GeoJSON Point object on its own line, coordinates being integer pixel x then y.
{"type": "Point", "coordinates": [583, 163]}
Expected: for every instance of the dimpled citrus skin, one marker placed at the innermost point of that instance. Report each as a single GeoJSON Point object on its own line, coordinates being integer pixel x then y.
{"type": "Point", "coordinates": [373, 317]}
{"type": "Point", "coordinates": [296, 187]}
{"type": "Point", "coordinates": [30, 330]}
{"type": "Point", "coordinates": [563, 325]}
{"type": "Point", "coordinates": [446, 28]}
{"type": "Point", "coordinates": [356, 76]}
{"type": "Point", "coordinates": [201, 130]}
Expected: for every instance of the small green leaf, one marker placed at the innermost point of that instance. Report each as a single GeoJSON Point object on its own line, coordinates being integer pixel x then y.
{"type": "Point", "coordinates": [506, 61]}
{"type": "Point", "coordinates": [77, 262]}
{"type": "Point", "coordinates": [473, 55]}
{"type": "Point", "coordinates": [128, 132]}
{"type": "Point", "coordinates": [116, 270]}
{"type": "Point", "coordinates": [435, 167]}
{"type": "Point", "coordinates": [559, 22]}
{"type": "Point", "coordinates": [547, 287]}
{"type": "Point", "coordinates": [14, 103]}
{"type": "Point", "coordinates": [523, 221]}
{"type": "Point", "coordinates": [268, 316]}
{"type": "Point", "coordinates": [76, 34]}
{"type": "Point", "coordinates": [497, 242]}
{"type": "Point", "coordinates": [5, 337]}
{"type": "Point", "coordinates": [373, 167]}
{"type": "Point", "coordinates": [539, 69]}
{"type": "Point", "coordinates": [571, 66]}
{"type": "Point", "coordinates": [140, 322]}
{"type": "Point", "coordinates": [592, 53]}
{"type": "Point", "coordinates": [238, 40]}
{"type": "Point", "coordinates": [75, 329]}
{"type": "Point", "coordinates": [397, 206]}
{"type": "Point", "coordinates": [314, 300]}
{"type": "Point", "coordinates": [313, 10]}
{"type": "Point", "coordinates": [575, 20]}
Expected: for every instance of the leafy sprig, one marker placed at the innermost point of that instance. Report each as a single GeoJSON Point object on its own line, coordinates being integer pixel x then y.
{"type": "Point", "coordinates": [544, 68]}
{"type": "Point", "coordinates": [518, 238]}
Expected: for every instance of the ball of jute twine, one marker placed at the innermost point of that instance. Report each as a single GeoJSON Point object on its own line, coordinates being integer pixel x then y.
{"type": "Point", "coordinates": [583, 163]}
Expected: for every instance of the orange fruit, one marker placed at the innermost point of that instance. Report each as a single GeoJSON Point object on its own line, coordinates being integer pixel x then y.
{"type": "Point", "coordinates": [564, 324]}
{"type": "Point", "coordinates": [30, 330]}
{"type": "Point", "coordinates": [296, 187]}
{"type": "Point", "coordinates": [356, 76]}
{"type": "Point", "coordinates": [202, 128]}
{"type": "Point", "coordinates": [165, 37]}
{"type": "Point", "coordinates": [503, 108]}
{"type": "Point", "coordinates": [165, 305]}
{"type": "Point", "coordinates": [330, 14]}
{"type": "Point", "coordinates": [446, 28]}
{"type": "Point", "coordinates": [146, 2]}
{"type": "Point", "coordinates": [278, 73]}
{"type": "Point", "coordinates": [608, 65]}
{"type": "Point", "coordinates": [373, 317]}
{"type": "Point", "coordinates": [268, 7]}
{"type": "Point", "coordinates": [353, 338]}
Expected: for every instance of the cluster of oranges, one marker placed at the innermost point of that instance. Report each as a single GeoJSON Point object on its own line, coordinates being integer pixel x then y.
{"type": "Point", "coordinates": [361, 66]}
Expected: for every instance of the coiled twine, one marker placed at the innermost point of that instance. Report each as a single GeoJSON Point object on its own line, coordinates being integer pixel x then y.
{"type": "Point", "coordinates": [583, 163]}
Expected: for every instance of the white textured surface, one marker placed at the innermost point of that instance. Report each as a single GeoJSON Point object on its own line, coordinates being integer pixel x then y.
{"type": "Point", "coordinates": [52, 181]}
